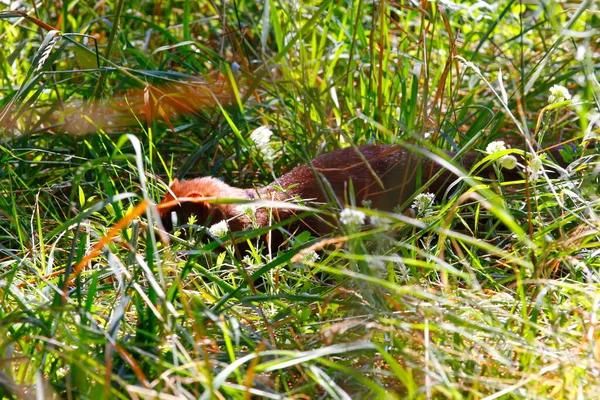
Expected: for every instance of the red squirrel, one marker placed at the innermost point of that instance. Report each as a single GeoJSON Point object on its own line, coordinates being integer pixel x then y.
{"type": "Point", "coordinates": [394, 167]}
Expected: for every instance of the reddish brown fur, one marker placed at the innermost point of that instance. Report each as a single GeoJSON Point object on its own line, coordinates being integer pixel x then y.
{"type": "Point", "coordinates": [206, 213]}
{"type": "Point", "coordinates": [395, 167]}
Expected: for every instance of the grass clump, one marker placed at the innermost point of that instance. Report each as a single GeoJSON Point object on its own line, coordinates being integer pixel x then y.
{"type": "Point", "coordinates": [490, 293]}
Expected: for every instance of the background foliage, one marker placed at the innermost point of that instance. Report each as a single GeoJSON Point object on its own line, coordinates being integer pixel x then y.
{"type": "Point", "coordinates": [100, 117]}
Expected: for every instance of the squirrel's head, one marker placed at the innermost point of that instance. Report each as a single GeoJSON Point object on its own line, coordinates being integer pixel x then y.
{"type": "Point", "coordinates": [196, 197]}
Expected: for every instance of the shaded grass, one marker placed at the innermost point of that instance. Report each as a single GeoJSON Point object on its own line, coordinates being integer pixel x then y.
{"type": "Point", "coordinates": [439, 307]}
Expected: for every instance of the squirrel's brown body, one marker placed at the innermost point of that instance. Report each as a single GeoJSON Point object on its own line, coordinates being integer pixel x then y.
{"type": "Point", "coordinates": [385, 175]}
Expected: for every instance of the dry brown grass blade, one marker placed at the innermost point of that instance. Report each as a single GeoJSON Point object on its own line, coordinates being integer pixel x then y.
{"type": "Point", "coordinates": [22, 14]}
{"type": "Point", "coordinates": [96, 250]}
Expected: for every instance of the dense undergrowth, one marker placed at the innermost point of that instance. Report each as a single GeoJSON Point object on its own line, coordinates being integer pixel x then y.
{"type": "Point", "coordinates": [492, 294]}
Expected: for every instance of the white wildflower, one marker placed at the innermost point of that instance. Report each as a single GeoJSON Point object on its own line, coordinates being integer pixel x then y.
{"type": "Point", "coordinates": [495, 147]}
{"type": "Point", "coordinates": [558, 94]}
{"type": "Point", "coordinates": [379, 222]}
{"type": "Point", "coordinates": [508, 162]}
{"type": "Point", "coordinates": [219, 229]}
{"type": "Point", "coordinates": [261, 136]}
{"type": "Point", "coordinates": [535, 168]}
{"type": "Point", "coordinates": [349, 216]}
{"type": "Point", "coordinates": [268, 154]}
{"type": "Point", "coordinates": [423, 204]}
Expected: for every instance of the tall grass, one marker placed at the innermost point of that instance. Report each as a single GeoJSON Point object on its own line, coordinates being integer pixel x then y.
{"type": "Point", "coordinates": [493, 295]}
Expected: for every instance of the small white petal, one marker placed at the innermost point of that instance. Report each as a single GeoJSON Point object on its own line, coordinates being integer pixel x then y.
{"type": "Point", "coordinates": [558, 94]}
{"type": "Point", "coordinates": [219, 229]}
{"type": "Point", "coordinates": [495, 147]}
{"type": "Point", "coordinates": [261, 136]}
{"type": "Point", "coordinates": [423, 203]}
{"type": "Point", "coordinates": [349, 216]}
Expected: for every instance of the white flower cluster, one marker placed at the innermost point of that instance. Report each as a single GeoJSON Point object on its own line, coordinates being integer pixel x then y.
{"type": "Point", "coordinates": [508, 161]}
{"type": "Point", "coordinates": [558, 94]}
{"type": "Point", "coordinates": [495, 147]}
{"type": "Point", "coordinates": [349, 216]}
{"type": "Point", "coordinates": [219, 229]}
{"type": "Point", "coordinates": [423, 204]}
{"type": "Point", "coordinates": [261, 136]}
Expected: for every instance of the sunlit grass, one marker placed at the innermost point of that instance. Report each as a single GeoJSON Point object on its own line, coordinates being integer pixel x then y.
{"type": "Point", "coordinates": [492, 294]}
